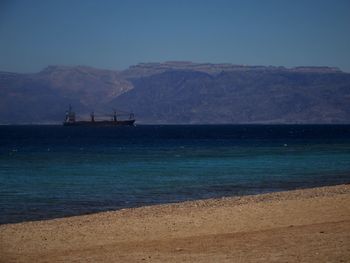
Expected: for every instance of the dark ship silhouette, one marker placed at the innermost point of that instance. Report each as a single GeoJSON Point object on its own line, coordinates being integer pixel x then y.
{"type": "Point", "coordinates": [115, 121]}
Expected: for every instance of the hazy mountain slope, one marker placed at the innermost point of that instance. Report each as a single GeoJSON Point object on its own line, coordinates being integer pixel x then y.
{"type": "Point", "coordinates": [240, 97]}
{"type": "Point", "coordinates": [180, 92]}
{"type": "Point", "coordinates": [93, 87]}
{"type": "Point", "coordinates": [43, 97]}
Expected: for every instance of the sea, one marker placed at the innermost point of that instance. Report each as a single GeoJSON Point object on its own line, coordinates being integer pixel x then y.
{"type": "Point", "coordinates": [54, 171]}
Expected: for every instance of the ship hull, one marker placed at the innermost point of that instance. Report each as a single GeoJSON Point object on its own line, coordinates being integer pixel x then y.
{"type": "Point", "coordinates": [101, 123]}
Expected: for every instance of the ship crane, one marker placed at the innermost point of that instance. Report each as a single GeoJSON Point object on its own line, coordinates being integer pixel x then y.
{"type": "Point", "coordinates": [119, 113]}
{"type": "Point", "coordinates": [100, 120]}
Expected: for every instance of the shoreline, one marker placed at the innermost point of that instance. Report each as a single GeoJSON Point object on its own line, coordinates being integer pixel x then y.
{"type": "Point", "coordinates": [234, 200]}
{"type": "Point", "coordinates": [311, 225]}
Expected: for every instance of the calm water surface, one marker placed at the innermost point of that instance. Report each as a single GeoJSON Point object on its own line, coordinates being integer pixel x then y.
{"type": "Point", "coordinates": [54, 171]}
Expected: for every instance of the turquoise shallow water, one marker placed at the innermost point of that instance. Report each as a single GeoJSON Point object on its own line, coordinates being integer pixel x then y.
{"type": "Point", "coordinates": [53, 171]}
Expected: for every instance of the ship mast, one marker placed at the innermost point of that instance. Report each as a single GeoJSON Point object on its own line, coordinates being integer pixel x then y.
{"type": "Point", "coordinates": [92, 115]}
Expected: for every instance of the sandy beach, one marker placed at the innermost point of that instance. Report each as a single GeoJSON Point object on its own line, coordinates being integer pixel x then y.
{"type": "Point", "coordinates": [311, 225]}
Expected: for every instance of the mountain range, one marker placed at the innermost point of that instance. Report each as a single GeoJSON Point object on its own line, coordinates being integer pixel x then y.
{"type": "Point", "coordinates": [179, 92]}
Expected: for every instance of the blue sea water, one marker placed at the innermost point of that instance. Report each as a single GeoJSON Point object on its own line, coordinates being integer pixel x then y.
{"type": "Point", "coordinates": [53, 171]}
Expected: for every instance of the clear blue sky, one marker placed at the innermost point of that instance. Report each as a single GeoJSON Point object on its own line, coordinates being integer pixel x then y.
{"type": "Point", "coordinates": [116, 34]}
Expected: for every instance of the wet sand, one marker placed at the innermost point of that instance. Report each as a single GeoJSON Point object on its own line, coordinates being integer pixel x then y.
{"type": "Point", "coordinates": [311, 225]}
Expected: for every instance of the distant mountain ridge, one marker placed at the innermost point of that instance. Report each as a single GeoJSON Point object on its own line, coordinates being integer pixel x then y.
{"type": "Point", "coordinates": [180, 92]}
{"type": "Point", "coordinates": [146, 69]}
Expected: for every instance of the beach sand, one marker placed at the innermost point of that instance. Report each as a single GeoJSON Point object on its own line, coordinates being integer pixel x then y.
{"type": "Point", "coordinates": [311, 225]}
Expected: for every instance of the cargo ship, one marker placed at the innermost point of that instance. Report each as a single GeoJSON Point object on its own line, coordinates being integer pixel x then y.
{"type": "Point", "coordinates": [118, 119]}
